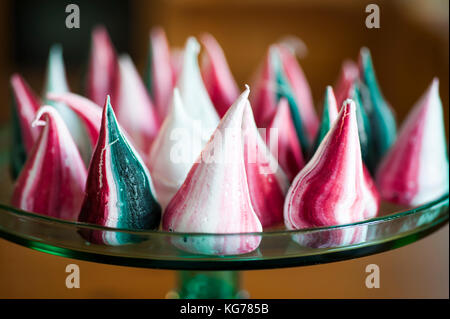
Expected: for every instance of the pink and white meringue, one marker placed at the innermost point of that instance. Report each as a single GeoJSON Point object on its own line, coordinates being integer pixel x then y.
{"type": "Point", "coordinates": [329, 115]}
{"type": "Point", "coordinates": [301, 90]}
{"type": "Point", "coordinates": [24, 135]}
{"type": "Point", "coordinates": [215, 198]}
{"type": "Point", "coordinates": [134, 108]}
{"type": "Point", "coordinates": [89, 112]}
{"type": "Point", "coordinates": [267, 182]}
{"type": "Point", "coordinates": [281, 76]}
{"type": "Point", "coordinates": [53, 178]}
{"type": "Point", "coordinates": [56, 82]}
{"type": "Point", "coordinates": [160, 78]}
{"type": "Point", "coordinates": [119, 189]}
{"type": "Point", "coordinates": [174, 151]}
{"type": "Point", "coordinates": [334, 188]}
{"type": "Point", "coordinates": [193, 93]}
{"type": "Point", "coordinates": [288, 149]}
{"type": "Point", "coordinates": [103, 70]}
{"type": "Point", "coordinates": [415, 169]}
{"type": "Point", "coordinates": [347, 78]}
{"type": "Point", "coordinates": [217, 76]}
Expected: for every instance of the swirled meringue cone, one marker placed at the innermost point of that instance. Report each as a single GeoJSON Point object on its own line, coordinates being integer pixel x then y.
{"type": "Point", "coordinates": [24, 107]}
{"type": "Point", "coordinates": [329, 115]}
{"type": "Point", "coordinates": [283, 142]}
{"type": "Point", "coordinates": [102, 74]}
{"type": "Point", "coordinates": [364, 129]}
{"type": "Point", "coordinates": [134, 108]}
{"type": "Point", "coordinates": [176, 61]}
{"type": "Point", "coordinates": [348, 76]}
{"type": "Point", "coordinates": [193, 93]}
{"type": "Point", "coordinates": [56, 83]}
{"type": "Point", "coordinates": [174, 151]}
{"type": "Point", "coordinates": [53, 178]}
{"type": "Point", "coordinates": [90, 115]}
{"type": "Point", "coordinates": [272, 83]}
{"type": "Point", "coordinates": [217, 76]}
{"type": "Point", "coordinates": [264, 93]}
{"type": "Point", "coordinates": [267, 182]}
{"type": "Point", "coordinates": [337, 171]}
{"type": "Point", "coordinates": [89, 112]}
{"type": "Point", "coordinates": [301, 90]}
{"type": "Point", "coordinates": [119, 190]}
{"type": "Point", "coordinates": [215, 198]}
{"type": "Point", "coordinates": [415, 170]}
{"type": "Point", "coordinates": [159, 77]}
{"type": "Point", "coordinates": [382, 121]}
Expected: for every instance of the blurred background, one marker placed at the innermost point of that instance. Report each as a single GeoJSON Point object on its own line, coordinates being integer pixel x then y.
{"type": "Point", "coordinates": [409, 49]}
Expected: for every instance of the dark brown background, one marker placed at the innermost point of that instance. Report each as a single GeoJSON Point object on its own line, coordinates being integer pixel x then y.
{"type": "Point", "coordinates": [408, 50]}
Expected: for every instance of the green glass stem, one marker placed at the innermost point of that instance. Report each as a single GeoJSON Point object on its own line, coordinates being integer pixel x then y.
{"type": "Point", "coordinates": [208, 285]}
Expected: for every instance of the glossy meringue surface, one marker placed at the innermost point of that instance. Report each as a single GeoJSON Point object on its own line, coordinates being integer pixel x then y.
{"type": "Point", "coordinates": [52, 180]}
{"type": "Point", "coordinates": [119, 190]}
{"type": "Point", "coordinates": [381, 116]}
{"type": "Point", "coordinates": [24, 107]}
{"type": "Point", "coordinates": [415, 170]}
{"type": "Point", "coordinates": [193, 92]}
{"type": "Point", "coordinates": [220, 172]}
{"type": "Point", "coordinates": [334, 187]}
{"type": "Point", "coordinates": [283, 142]}
{"type": "Point", "coordinates": [159, 77]}
{"type": "Point", "coordinates": [174, 151]}
{"type": "Point", "coordinates": [217, 75]}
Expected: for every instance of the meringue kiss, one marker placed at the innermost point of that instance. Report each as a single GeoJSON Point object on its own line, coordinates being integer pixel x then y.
{"type": "Point", "coordinates": [267, 182]}
{"type": "Point", "coordinates": [134, 109]}
{"type": "Point", "coordinates": [103, 68]}
{"type": "Point", "coordinates": [119, 190]}
{"type": "Point", "coordinates": [286, 147]}
{"type": "Point", "coordinates": [329, 115]}
{"type": "Point", "coordinates": [415, 170]}
{"type": "Point", "coordinates": [193, 93]}
{"type": "Point", "coordinates": [89, 112]}
{"type": "Point", "coordinates": [382, 121]}
{"type": "Point", "coordinates": [333, 188]}
{"type": "Point", "coordinates": [159, 77]}
{"type": "Point", "coordinates": [281, 76]}
{"type": "Point", "coordinates": [215, 198]}
{"type": "Point", "coordinates": [174, 151]}
{"type": "Point", "coordinates": [53, 178]}
{"type": "Point", "coordinates": [56, 82]}
{"type": "Point", "coordinates": [217, 76]}
{"type": "Point", "coordinates": [24, 107]}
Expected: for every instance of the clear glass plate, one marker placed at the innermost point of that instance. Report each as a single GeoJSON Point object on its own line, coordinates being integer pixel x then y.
{"type": "Point", "coordinates": [395, 227]}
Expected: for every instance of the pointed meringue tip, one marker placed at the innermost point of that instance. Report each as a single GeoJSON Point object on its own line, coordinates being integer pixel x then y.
{"type": "Point", "coordinates": [15, 79]}
{"type": "Point", "coordinates": [56, 51]}
{"type": "Point", "coordinates": [364, 52]}
{"type": "Point", "coordinates": [99, 29]}
{"type": "Point", "coordinates": [192, 45]}
{"type": "Point", "coordinates": [45, 109]}
{"type": "Point", "coordinates": [349, 105]}
{"type": "Point", "coordinates": [295, 45]}
{"type": "Point", "coordinates": [435, 85]}
{"type": "Point", "coordinates": [125, 58]}
{"type": "Point", "coordinates": [107, 107]}
{"type": "Point", "coordinates": [206, 37]}
{"type": "Point", "coordinates": [247, 88]}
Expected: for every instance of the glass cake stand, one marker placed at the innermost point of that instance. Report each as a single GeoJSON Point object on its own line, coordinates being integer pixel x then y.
{"type": "Point", "coordinates": [202, 274]}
